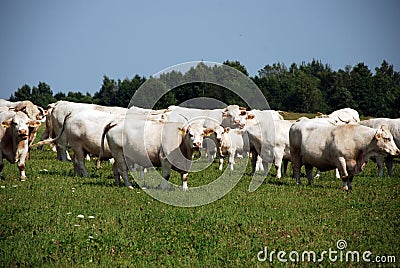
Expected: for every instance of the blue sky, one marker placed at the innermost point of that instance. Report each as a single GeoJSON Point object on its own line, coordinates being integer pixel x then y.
{"type": "Point", "coordinates": [71, 44]}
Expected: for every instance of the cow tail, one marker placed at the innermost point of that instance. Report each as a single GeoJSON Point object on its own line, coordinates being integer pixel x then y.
{"type": "Point", "coordinates": [55, 140]}
{"type": "Point", "coordinates": [103, 135]}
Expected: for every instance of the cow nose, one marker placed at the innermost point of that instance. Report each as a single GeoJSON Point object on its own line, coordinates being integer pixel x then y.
{"type": "Point", "coordinates": [197, 144]}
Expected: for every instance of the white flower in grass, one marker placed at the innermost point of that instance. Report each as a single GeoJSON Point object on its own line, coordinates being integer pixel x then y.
{"type": "Point", "coordinates": [3, 186]}
{"type": "Point", "coordinates": [91, 217]}
{"type": "Point", "coordinates": [80, 216]}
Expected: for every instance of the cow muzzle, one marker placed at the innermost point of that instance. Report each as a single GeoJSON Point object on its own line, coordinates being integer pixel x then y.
{"type": "Point", "coordinates": [23, 134]}
{"type": "Point", "coordinates": [197, 145]}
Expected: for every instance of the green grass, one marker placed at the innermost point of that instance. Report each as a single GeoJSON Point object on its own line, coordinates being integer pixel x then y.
{"type": "Point", "coordinates": [39, 224]}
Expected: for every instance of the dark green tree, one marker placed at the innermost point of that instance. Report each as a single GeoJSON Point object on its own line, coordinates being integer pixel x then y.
{"type": "Point", "coordinates": [22, 93]}
{"type": "Point", "coordinates": [361, 88]}
{"type": "Point", "coordinates": [237, 65]}
{"type": "Point", "coordinates": [42, 95]}
{"type": "Point", "coordinates": [106, 95]}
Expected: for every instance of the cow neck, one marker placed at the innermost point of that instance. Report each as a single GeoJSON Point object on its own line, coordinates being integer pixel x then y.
{"type": "Point", "coordinates": [185, 147]}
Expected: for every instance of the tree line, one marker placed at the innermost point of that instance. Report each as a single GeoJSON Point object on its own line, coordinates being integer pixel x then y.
{"type": "Point", "coordinates": [308, 88]}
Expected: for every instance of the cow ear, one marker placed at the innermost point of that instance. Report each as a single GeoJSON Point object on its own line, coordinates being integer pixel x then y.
{"type": "Point", "coordinates": [208, 131]}
{"type": "Point", "coordinates": [384, 128]}
{"type": "Point", "coordinates": [6, 123]}
{"type": "Point", "coordinates": [250, 116]}
{"type": "Point", "coordinates": [182, 131]}
{"type": "Point", "coordinates": [34, 123]}
{"type": "Point", "coordinates": [378, 134]}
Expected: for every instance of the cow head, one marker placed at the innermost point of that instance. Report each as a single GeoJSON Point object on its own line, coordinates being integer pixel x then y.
{"type": "Point", "coordinates": [20, 124]}
{"type": "Point", "coordinates": [385, 142]}
{"type": "Point", "coordinates": [236, 116]}
{"type": "Point", "coordinates": [195, 134]}
{"type": "Point", "coordinates": [218, 131]}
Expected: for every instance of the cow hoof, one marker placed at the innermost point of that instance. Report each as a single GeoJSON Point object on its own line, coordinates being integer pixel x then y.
{"type": "Point", "coordinates": [130, 187]}
{"type": "Point", "coordinates": [345, 188]}
{"type": "Point", "coordinates": [23, 179]}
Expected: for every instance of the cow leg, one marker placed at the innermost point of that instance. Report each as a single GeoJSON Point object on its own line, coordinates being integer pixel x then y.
{"type": "Point", "coordinates": [337, 174]}
{"type": "Point", "coordinates": [62, 152]}
{"type": "Point", "coordinates": [342, 168]}
{"type": "Point", "coordinates": [231, 159]}
{"type": "Point", "coordinates": [125, 176]}
{"type": "Point", "coordinates": [380, 163]}
{"type": "Point", "coordinates": [309, 169]}
{"type": "Point", "coordinates": [285, 166]}
{"type": "Point", "coordinates": [166, 173]}
{"type": "Point", "coordinates": [184, 181]}
{"type": "Point", "coordinates": [79, 162]}
{"type": "Point", "coordinates": [79, 166]}
{"type": "Point", "coordinates": [21, 167]}
{"type": "Point", "coordinates": [259, 166]}
{"type": "Point", "coordinates": [349, 181]}
{"type": "Point", "coordinates": [389, 165]}
{"type": "Point", "coordinates": [116, 175]}
{"type": "Point", "coordinates": [21, 157]}
{"type": "Point", "coordinates": [278, 166]}
{"type": "Point", "coordinates": [221, 162]}
{"type": "Point", "coordinates": [1, 166]}
{"type": "Point", "coordinates": [254, 155]}
{"type": "Point", "coordinates": [295, 154]}
{"type": "Point", "coordinates": [265, 167]}
{"type": "Point", "coordinates": [211, 150]}
{"type": "Point", "coordinates": [344, 183]}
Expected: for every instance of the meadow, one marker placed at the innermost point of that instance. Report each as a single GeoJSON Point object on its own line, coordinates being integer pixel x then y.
{"type": "Point", "coordinates": [56, 219]}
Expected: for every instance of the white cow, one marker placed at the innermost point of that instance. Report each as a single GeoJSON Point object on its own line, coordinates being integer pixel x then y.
{"type": "Point", "coordinates": [149, 143]}
{"type": "Point", "coordinates": [345, 147]}
{"type": "Point", "coordinates": [281, 149]}
{"type": "Point", "coordinates": [261, 133]}
{"type": "Point", "coordinates": [342, 116]}
{"type": "Point", "coordinates": [394, 128]}
{"type": "Point", "coordinates": [231, 143]}
{"type": "Point", "coordinates": [282, 146]}
{"type": "Point", "coordinates": [56, 118]}
{"type": "Point", "coordinates": [60, 109]}
{"type": "Point", "coordinates": [14, 135]}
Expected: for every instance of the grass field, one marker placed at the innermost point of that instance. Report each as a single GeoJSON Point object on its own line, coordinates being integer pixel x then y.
{"type": "Point", "coordinates": [39, 223]}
